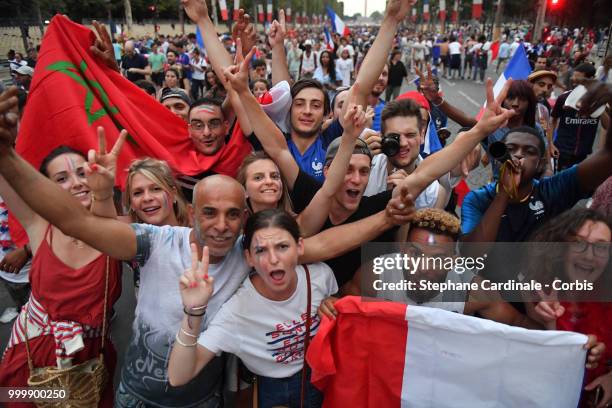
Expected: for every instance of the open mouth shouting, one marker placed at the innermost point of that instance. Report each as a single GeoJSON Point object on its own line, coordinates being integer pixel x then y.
{"type": "Point", "coordinates": [277, 276]}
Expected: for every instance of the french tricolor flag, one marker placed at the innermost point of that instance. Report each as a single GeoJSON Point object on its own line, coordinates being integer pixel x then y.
{"type": "Point", "coordinates": [288, 15]}
{"type": "Point", "coordinates": [223, 7]}
{"type": "Point", "coordinates": [329, 43]}
{"type": "Point", "coordinates": [260, 13]}
{"type": "Point", "coordinates": [391, 355]}
{"type": "Point", "coordinates": [425, 10]}
{"type": "Point", "coordinates": [442, 13]}
{"type": "Point", "coordinates": [413, 18]}
{"type": "Point", "coordinates": [236, 9]}
{"type": "Point", "coordinates": [476, 9]}
{"type": "Point", "coordinates": [517, 68]}
{"type": "Point", "coordinates": [269, 11]}
{"type": "Point", "coordinates": [455, 13]}
{"type": "Point", "coordinates": [337, 24]}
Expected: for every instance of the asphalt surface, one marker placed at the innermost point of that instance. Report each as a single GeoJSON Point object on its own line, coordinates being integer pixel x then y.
{"type": "Point", "coordinates": [464, 94]}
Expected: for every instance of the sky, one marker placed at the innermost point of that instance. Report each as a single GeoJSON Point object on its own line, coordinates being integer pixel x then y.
{"type": "Point", "coordinates": [356, 6]}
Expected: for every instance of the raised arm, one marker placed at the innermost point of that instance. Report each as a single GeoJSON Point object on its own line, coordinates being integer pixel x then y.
{"type": "Point", "coordinates": [219, 58]}
{"type": "Point", "coordinates": [374, 61]}
{"type": "Point", "coordinates": [276, 38]}
{"type": "Point", "coordinates": [443, 161]}
{"type": "Point", "coordinates": [52, 203]}
{"type": "Point", "coordinates": [188, 358]}
{"type": "Point", "coordinates": [339, 240]}
{"type": "Point", "coordinates": [270, 136]}
{"type": "Point", "coordinates": [313, 217]}
{"type": "Point", "coordinates": [430, 91]}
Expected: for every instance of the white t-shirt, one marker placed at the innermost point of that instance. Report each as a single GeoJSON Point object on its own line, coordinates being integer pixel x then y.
{"type": "Point", "coordinates": [268, 335]}
{"type": "Point", "coordinates": [454, 48]}
{"type": "Point", "coordinates": [308, 62]}
{"type": "Point", "coordinates": [164, 253]}
{"type": "Point", "coordinates": [345, 66]}
{"type": "Point", "coordinates": [378, 183]}
{"type": "Point", "coordinates": [196, 74]}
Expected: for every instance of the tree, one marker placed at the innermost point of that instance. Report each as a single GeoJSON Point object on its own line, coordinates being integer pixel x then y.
{"type": "Point", "coordinates": [356, 16]}
{"type": "Point", "coordinates": [128, 14]}
{"type": "Point", "coordinates": [377, 15]}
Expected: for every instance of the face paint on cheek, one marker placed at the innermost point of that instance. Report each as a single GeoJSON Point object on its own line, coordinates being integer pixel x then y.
{"type": "Point", "coordinates": [431, 239]}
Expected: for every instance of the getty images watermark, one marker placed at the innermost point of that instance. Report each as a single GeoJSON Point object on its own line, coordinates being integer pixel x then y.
{"type": "Point", "coordinates": [516, 271]}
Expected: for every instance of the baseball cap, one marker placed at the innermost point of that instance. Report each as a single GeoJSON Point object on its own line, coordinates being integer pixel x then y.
{"type": "Point", "coordinates": [361, 147]}
{"type": "Point", "coordinates": [541, 73]}
{"type": "Point", "coordinates": [168, 93]}
{"type": "Point", "coordinates": [417, 97]}
{"type": "Point", "coordinates": [25, 70]}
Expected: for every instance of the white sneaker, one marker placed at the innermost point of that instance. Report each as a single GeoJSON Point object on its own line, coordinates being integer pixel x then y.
{"type": "Point", "coordinates": [9, 314]}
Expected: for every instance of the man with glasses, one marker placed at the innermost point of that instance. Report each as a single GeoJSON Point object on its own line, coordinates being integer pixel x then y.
{"type": "Point", "coordinates": [208, 131]}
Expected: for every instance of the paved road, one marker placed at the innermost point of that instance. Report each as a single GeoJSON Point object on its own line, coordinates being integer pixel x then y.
{"type": "Point", "coordinates": [464, 94]}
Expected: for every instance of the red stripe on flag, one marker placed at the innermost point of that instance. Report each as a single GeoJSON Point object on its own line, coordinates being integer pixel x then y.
{"type": "Point", "coordinates": [358, 359]}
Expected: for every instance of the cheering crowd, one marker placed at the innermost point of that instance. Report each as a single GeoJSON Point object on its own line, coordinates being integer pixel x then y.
{"type": "Point", "coordinates": [236, 270]}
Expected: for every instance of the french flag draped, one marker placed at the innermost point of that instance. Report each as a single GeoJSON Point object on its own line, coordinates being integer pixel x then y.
{"type": "Point", "coordinates": [329, 43]}
{"type": "Point", "coordinates": [442, 11]}
{"type": "Point", "coordinates": [517, 68]}
{"type": "Point", "coordinates": [455, 13]}
{"type": "Point", "coordinates": [236, 9]}
{"type": "Point", "coordinates": [337, 24]}
{"type": "Point", "coordinates": [269, 11]}
{"type": "Point", "coordinates": [388, 354]}
{"type": "Point", "coordinates": [260, 13]}
{"type": "Point", "coordinates": [425, 10]}
{"type": "Point", "coordinates": [223, 7]}
{"type": "Point", "coordinates": [476, 9]}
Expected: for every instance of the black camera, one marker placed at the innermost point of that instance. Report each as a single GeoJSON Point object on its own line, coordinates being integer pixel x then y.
{"type": "Point", "coordinates": [390, 144]}
{"type": "Point", "coordinates": [499, 152]}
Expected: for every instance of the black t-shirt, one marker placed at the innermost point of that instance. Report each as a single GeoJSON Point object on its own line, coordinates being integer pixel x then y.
{"type": "Point", "coordinates": [346, 265]}
{"type": "Point", "coordinates": [397, 72]}
{"type": "Point", "coordinates": [575, 134]}
{"type": "Point", "coordinates": [135, 61]}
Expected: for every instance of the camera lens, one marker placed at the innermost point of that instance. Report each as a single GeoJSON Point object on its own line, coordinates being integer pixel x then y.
{"type": "Point", "coordinates": [390, 144]}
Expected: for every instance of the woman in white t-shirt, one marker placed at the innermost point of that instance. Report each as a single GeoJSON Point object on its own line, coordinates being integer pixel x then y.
{"type": "Point", "coordinates": [345, 66]}
{"type": "Point", "coordinates": [269, 320]}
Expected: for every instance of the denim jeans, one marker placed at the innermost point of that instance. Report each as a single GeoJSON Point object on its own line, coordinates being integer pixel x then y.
{"type": "Point", "coordinates": [287, 392]}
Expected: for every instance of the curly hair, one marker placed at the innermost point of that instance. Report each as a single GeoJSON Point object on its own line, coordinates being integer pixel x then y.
{"type": "Point", "coordinates": [437, 221]}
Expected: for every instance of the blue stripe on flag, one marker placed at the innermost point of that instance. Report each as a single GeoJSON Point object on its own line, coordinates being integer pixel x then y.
{"type": "Point", "coordinates": [518, 67]}
{"type": "Point", "coordinates": [332, 17]}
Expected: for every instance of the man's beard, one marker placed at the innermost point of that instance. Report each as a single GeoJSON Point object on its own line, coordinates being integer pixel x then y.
{"type": "Point", "coordinates": [375, 91]}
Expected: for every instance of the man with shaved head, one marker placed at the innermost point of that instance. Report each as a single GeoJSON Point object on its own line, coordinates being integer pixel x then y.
{"type": "Point", "coordinates": [133, 65]}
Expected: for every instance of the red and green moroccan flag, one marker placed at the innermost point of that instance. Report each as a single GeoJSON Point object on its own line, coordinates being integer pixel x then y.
{"type": "Point", "coordinates": [72, 93]}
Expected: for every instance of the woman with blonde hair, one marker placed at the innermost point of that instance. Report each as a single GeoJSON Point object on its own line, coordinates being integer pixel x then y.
{"type": "Point", "coordinates": [152, 195]}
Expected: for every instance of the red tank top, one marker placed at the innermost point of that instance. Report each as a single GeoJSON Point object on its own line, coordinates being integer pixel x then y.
{"type": "Point", "coordinates": [73, 294]}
